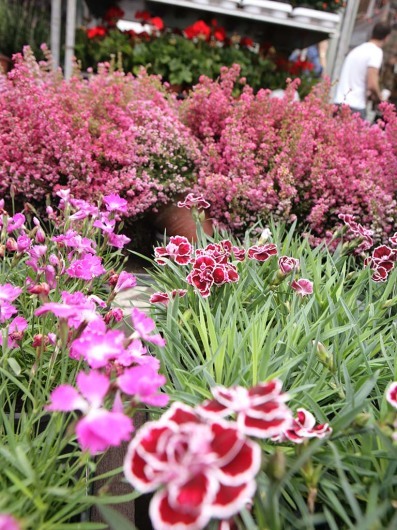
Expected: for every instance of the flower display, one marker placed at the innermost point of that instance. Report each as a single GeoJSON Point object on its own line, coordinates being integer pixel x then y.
{"type": "Point", "coordinates": [202, 469]}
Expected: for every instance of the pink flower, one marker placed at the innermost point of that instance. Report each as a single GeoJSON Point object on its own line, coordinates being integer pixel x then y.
{"type": "Point", "coordinates": [194, 201]}
{"type": "Point", "coordinates": [178, 249]}
{"type": "Point", "coordinates": [118, 240]}
{"type": "Point", "coordinates": [15, 331]}
{"type": "Point", "coordinates": [144, 326]}
{"type": "Point", "coordinates": [87, 268]}
{"type": "Point", "coordinates": [287, 264]}
{"type": "Point", "coordinates": [115, 314]}
{"type": "Point", "coordinates": [164, 298]}
{"type": "Point", "coordinates": [303, 287]}
{"type": "Point", "coordinates": [125, 281]}
{"type": "Point", "coordinates": [304, 427]}
{"type": "Point", "coordinates": [6, 311]}
{"type": "Point", "coordinates": [98, 345]}
{"type": "Point", "coordinates": [8, 293]}
{"type": "Point", "coordinates": [143, 382]}
{"type": "Point", "coordinates": [8, 522]}
{"type": "Point", "coordinates": [114, 203]}
{"type": "Point", "coordinates": [262, 252]}
{"type": "Point", "coordinates": [23, 243]}
{"type": "Point", "coordinates": [391, 394]}
{"type": "Point", "coordinates": [203, 469]}
{"type": "Point", "coordinates": [99, 428]}
{"type": "Point", "coordinates": [260, 410]}
{"type": "Point", "coordinates": [76, 308]}
{"type": "Point", "coordinates": [16, 222]}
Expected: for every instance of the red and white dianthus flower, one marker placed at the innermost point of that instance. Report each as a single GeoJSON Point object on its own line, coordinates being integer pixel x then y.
{"type": "Point", "coordinates": [202, 469]}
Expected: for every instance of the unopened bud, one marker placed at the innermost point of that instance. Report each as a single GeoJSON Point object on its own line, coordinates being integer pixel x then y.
{"type": "Point", "coordinates": [324, 356]}
{"type": "Point", "coordinates": [361, 419]}
{"type": "Point", "coordinates": [276, 465]}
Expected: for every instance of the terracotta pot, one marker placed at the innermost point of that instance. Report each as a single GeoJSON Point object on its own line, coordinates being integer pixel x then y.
{"type": "Point", "coordinates": [176, 221]}
{"type": "Point", "coordinates": [5, 64]}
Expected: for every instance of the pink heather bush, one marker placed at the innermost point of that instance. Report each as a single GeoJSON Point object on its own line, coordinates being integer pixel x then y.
{"type": "Point", "coordinates": [293, 160]}
{"type": "Point", "coordinates": [112, 133]}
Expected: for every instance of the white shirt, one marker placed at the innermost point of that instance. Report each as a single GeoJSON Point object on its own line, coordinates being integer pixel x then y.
{"type": "Point", "coordinates": [352, 86]}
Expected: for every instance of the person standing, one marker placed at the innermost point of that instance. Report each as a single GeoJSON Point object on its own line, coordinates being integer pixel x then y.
{"type": "Point", "coordinates": [359, 78]}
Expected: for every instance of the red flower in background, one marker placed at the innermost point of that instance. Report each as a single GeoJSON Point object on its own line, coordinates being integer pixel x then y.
{"type": "Point", "coordinates": [113, 14]}
{"type": "Point", "coordinates": [199, 28]}
{"type": "Point", "coordinates": [220, 34]}
{"type": "Point", "coordinates": [246, 41]}
{"type": "Point", "coordinates": [145, 16]}
{"type": "Point", "coordinates": [98, 31]}
{"type": "Point", "coordinates": [157, 22]}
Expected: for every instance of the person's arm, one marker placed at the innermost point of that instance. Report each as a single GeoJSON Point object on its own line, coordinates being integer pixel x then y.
{"type": "Point", "coordinates": [373, 84]}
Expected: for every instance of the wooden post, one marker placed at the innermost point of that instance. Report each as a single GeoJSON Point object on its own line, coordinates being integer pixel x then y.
{"type": "Point", "coordinates": [70, 37]}
{"type": "Point", "coordinates": [56, 32]}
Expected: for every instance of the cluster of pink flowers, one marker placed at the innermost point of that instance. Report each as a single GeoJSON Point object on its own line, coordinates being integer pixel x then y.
{"type": "Point", "coordinates": [216, 265]}
{"type": "Point", "coordinates": [59, 271]}
{"type": "Point", "coordinates": [290, 159]}
{"type": "Point", "coordinates": [251, 156]}
{"type": "Point", "coordinates": [111, 133]}
{"type": "Point", "coordinates": [204, 466]}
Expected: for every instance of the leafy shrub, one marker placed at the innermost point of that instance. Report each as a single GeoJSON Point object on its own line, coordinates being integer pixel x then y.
{"type": "Point", "coordinates": [112, 133]}
{"type": "Point", "coordinates": [291, 159]}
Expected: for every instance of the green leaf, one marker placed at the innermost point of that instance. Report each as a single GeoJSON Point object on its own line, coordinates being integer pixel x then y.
{"type": "Point", "coordinates": [115, 520]}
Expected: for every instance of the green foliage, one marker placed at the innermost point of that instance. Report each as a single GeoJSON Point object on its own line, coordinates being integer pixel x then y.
{"type": "Point", "coordinates": [23, 22]}
{"type": "Point", "coordinates": [181, 61]}
{"type": "Point", "coordinates": [334, 352]}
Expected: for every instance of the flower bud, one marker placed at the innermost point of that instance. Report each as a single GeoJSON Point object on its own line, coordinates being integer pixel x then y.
{"type": "Point", "coordinates": [276, 465]}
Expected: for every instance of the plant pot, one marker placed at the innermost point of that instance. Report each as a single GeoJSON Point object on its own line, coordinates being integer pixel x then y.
{"type": "Point", "coordinates": [5, 64]}
{"type": "Point", "coordinates": [175, 221]}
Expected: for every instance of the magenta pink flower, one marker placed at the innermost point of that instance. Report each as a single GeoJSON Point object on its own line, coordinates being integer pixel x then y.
{"type": "Point", "coordinates": [8, 293]}
{"type": "Point", "coordinates": [99, 428]}
{"type": "Point", "coordinates": [118, 240]}
{"type": "Point", "coordinates": [98, 345]}
{"type": "Point", "coordinates": [15, 331]}
{"type": "Point", "coordinates": [164, 298]}
{"type": "Point", "coordinates": [202, 469]}
{"type": "Point", "coordinates": [76, 308]}
{"type": "Point", "coordinates": [114, 203]}
{"type": "Point", "coordinates": [260, 410]}
{"type": "Point", "coordinates": [302, 286]}
{"type": "Point", "coordinates": [8, 522]}
{"type": "Point", "coordinates": [6, 311]}
{"type": "Point", "coordinates": [87, 268]}
{"type": "Point", "coordinates": [144, 326]}
{"type": "Point", "coordinates": [304, 427]}
{"type": "Point", "coordinates": [287, 264]}
{"type": "Point", "coordinates": [391, 394]}
{"type": "Point", "coordinates": [262, 252]}
{"type": "Point", "coordinates": [125, 281]}
{"type": "Point", "coordinates": [143, 382]}
{"type": "Point", "coordinates": [178, 249]}
{"type": "Point", "coordinates": [16, 222]}
{"type": "Point", "coordinates": [23, 243]}
{"type": "Point", "coordinates": [115, 314]}
{"type": "Point", "coordinates": [194, 201]}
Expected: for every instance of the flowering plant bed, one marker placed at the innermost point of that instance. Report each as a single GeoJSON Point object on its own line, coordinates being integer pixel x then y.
{"type": "Point", "coordinates": [246, 322]}
{"type": "Point", "coordinates": [59, 329]}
